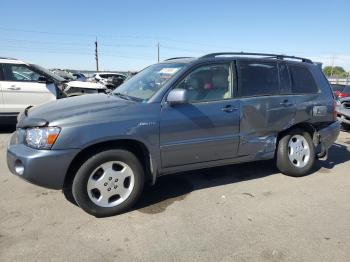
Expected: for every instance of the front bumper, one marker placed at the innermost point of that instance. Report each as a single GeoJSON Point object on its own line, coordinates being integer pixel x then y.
{"type": "Point", "coordinates": [344, 119]}
{"type": "Point", "coordinates": [343, 114]}
{"type": "Point", "coordinates": [46, 168]}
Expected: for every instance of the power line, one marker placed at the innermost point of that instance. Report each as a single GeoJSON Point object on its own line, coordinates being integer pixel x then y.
{"type": "Point", "coordinates": [39, 50]}
{"type": "Point", "coordinates": [162, 38]}
{"type": "Point", "coordinates": [72, 43]}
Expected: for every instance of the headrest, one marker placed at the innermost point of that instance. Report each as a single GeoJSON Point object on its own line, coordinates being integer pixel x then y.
{"type": "Point", "coordinates": [220, 79]}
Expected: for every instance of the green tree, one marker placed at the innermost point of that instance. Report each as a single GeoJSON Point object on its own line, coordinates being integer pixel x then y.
{"type": "Point", "coordinates": [335, 71]}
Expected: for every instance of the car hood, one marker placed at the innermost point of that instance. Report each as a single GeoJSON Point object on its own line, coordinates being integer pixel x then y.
{"type": "Point", "coordinates": [95, 107]}
{"type": "Point", "coordinates": [88, 85]}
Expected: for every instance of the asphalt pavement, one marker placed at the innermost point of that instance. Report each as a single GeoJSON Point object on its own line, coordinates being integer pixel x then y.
{"type": "Point", "coordinates": [246, 212]}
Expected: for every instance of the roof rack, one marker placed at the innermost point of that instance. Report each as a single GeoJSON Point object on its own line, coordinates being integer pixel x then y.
{"type": "Point", "coordinates": [213, 55]}
{"type": "Point", "coordinates": [180, 57]}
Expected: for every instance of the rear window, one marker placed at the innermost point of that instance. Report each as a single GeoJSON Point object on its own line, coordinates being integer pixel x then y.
{"type": "Point", "coordinates": [258, 78]}
{"type": "Point", "coordinates": [302, 80]}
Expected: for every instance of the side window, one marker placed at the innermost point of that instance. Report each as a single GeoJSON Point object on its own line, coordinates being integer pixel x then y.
{"type": "Point", "coordinates": [302, 80]}
{"type": "Point", "coordinates": [208, 83]}
{"type": "Point", "coordinates": [258, 78]}
{"type": "Point", "coordinates": [285, 82]}
{"type": "Point", "coordinates": [1, 74]}
{"type": "Point", "coordinates": [21, 73]}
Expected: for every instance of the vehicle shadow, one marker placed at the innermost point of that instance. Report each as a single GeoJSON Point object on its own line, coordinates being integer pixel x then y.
{"type": "Point", "coordinates": [172, 188]}
{"type": "Point", "coordinates": [337, 154]}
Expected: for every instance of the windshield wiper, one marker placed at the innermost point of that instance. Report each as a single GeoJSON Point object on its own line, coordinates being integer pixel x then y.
{"type": "Point", "coordinates": [127, 97]}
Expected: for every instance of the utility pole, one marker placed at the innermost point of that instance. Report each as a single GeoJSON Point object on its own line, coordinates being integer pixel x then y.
{"type": "Point", "coordinates": [158, 52]}
{"type": "Point", "coordinates": [96, 54]}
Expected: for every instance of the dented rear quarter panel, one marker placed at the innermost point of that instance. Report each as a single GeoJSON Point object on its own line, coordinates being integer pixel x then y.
{"type": "Point", "coordinates": [262, 118]}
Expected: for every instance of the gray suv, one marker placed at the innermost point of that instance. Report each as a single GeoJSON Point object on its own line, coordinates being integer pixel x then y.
{"type": "Point", "coordinates": [177, 115]}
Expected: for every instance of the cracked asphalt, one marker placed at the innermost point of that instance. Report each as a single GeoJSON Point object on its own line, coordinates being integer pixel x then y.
{"type": "Point", "coordinates": [246, 212]}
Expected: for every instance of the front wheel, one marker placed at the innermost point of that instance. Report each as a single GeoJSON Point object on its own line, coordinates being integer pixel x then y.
{"type": "Point", "coordinates": [108, 183]}
{"type": "Point", "coordinates": [295, 153]}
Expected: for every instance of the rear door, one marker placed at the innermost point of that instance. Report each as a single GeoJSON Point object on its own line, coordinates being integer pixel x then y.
{"type": "Point", "coordinates": [21, 88]}
{"type": "Point", "coordinates": [266, 105]}
{"type": "Point", "coordinates": [313, 104]}
{"type": "Point", "coordinates": [206, 128]}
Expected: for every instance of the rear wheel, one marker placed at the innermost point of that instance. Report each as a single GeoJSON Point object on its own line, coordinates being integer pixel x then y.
{"type": "Point", "coordinates": [108, 183]}
{"type": "Point", "coordinates": [295, 153]}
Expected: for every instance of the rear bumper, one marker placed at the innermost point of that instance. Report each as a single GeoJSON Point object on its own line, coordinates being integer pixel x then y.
{"type": "Point", "coordinates": [327, 136]}
{"type": "Point", "coordinates": [46, 168]}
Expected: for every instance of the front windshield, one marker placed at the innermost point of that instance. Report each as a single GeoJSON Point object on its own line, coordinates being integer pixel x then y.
{"type": "Point", "coordinates": [146, 83]}
{"type": "Point", "coordinates": [48, 73]}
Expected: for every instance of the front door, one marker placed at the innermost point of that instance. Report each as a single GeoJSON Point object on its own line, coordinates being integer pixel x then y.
{"type": "Point", "coordinates": [206, 128]}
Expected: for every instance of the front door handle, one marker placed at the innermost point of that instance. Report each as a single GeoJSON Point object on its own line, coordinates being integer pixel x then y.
{"type": "Point", "coordinates": [286, 103]}
{"type": "Point", "coordinates": [228, 109]}
{"type": "Point", "coordinates": [14, 88]}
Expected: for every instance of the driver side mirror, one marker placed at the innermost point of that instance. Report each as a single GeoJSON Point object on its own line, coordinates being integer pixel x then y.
{"type": "Point", "coordinates": [177, 96]}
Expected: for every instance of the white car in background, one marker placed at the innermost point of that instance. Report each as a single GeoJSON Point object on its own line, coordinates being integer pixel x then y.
{"type": "Point", "coordinates": [110, 80]}
{"type": "Point", "coordinates": [23, 84]}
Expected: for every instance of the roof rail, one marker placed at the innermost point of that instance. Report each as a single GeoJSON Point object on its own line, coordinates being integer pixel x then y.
{"type": "Point", "coordinates": [180, 57]}
{"type": "Point", "coordinates": [9, 58]}
{"type": "Point", "coordinates": [213, 55]}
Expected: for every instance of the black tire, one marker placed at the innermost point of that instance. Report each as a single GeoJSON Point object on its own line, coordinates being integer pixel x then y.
{"type": "Point", "coordinates": [283, 162]}
{"type": "Point", "coordinates": [79, 186]}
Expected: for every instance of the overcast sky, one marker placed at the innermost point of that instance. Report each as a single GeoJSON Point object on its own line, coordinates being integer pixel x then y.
{"type": "Point", "coordinates": [62, 33]}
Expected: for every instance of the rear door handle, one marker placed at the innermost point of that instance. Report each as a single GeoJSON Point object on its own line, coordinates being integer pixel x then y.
{"type": "Point", "coordinates": [286, 103]}
{"type": "Point", "coordinates": [228, 109]}
{"type": "Point", "coordinates": [14, 88]}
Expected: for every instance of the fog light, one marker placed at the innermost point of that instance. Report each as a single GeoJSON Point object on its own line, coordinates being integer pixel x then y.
{"type": "Point", "coordinates": [19, 168]}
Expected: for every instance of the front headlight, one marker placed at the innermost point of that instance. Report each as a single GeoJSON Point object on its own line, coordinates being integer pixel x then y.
{"type": "Point", "coordinates": [41, 137]}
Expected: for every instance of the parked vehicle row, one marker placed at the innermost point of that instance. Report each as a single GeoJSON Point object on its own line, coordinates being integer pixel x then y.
{"type": "Point", "coordinates": [23, 84]}
{"type": "Point", "coordinates": [110, 80]}
{"type": "Point", "coordinates": [342, 96]}
{"type": "Point", "coordinates": [177, 115]}
{"type": "Point", "coordinates": [341, 91]}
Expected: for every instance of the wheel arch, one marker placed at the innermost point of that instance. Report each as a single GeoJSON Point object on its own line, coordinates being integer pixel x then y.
{"type": "Point", "coordinates": [136, 147]}
{"type": "Point", "coordinates": [308, 127]}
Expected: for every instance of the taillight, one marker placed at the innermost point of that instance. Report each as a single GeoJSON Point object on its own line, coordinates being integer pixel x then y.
{"type": "Point", "coordinates": [342, 95]}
